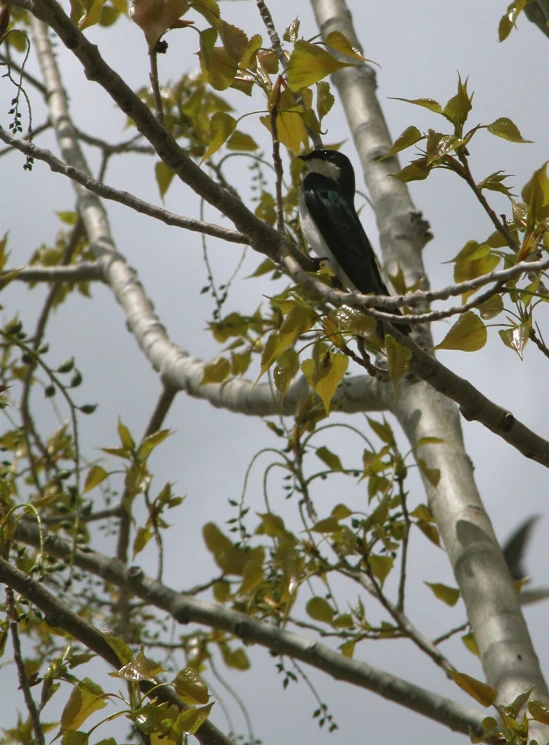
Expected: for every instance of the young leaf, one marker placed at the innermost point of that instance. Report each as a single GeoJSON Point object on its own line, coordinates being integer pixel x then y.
{"type": "Point", "coordinates": [426, 103]}
{"type": "Point", "coordinates": [409, 137]}
{"type": "Point", "coordinates": [380, 566]}
{"type": "Point", "coordinates": [222, 125]}
{"type": "Point", "coordinates": [481, 692]}
{"type": "Point", "coordinates": [190, 687]}
{"type": "Point", "coordinates": [504, 127]}
{"type": "Point", "coordinates": [86, 698]}
{"type": "Point", "coordinates": [329, 458]}
{"type": "Point", "coordinates": [338, 41]}
{"type": "Point", "coordinates": [398, 360]}
{"type": "Point", "coordinates": [468, 334]}
{"type": "Point", "coordinates": [310, 63]}
{"type": "Point", "coordinates": [94, 477]}
{"type": "Point", "coordinates": [448, 595]}
{"type": "Point", "coordinates": [216, 371]}
{"type": "Point", "coordinates": [332, 372]}
{"type": "Point", "coordinates": [320, 610]}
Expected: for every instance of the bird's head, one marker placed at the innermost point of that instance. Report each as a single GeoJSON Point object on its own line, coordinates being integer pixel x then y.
{"type": "Point", "coordinates": [331, 164]}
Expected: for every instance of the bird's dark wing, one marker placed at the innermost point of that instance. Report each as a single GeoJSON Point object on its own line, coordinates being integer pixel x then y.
{"type": "Point", "coordinates": [516, 545]}
{"type": "Point", "coordinates": [337, 220]}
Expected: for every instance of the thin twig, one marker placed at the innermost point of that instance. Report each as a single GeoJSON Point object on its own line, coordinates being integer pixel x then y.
{"type": "Point", "coordinates": [405, 540]}
{"type": "Point", "coordinates": [59, 614]}
{"type": "Point", "coordinates": [122, 197]}
{"type": "Point", "coordinates": [279, 169]}
{"type": "Point", "coordinates": [185, 609]}
{"type": "Point", "coordinates": [24, 684]}
{"type": "Point", "coordinates": [155, 85]}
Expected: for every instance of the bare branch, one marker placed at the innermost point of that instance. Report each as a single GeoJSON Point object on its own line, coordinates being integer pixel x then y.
{"type": "Point", "coordinates": [122, 197]}
{"type": "Point", "coordinates": [85, 271]}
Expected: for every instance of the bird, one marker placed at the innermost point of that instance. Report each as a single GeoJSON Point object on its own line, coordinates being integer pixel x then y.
{"type": "Point", "coordinates": [332, 228]}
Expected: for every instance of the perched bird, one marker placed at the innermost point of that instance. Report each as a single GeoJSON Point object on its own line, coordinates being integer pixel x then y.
{"type": "Point", "coordinates": [332, 228]}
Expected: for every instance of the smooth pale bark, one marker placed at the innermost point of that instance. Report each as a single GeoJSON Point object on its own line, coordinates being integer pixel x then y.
{"type": "Point", "coordinates": [508, 657]}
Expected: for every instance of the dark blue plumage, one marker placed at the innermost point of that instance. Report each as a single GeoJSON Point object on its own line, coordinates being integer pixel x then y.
{"type": "Point", "coordinates": [331, 225]}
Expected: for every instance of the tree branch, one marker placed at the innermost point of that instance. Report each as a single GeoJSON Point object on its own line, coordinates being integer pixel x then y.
{"type": "Point", "coordinates": [508, 657]}
{"type": "Point", "coordinates": [186, 609]}
{"type": "Point", "coordinates": [60, 615]}
{"type": "Point", "coordinates": [122, 197]}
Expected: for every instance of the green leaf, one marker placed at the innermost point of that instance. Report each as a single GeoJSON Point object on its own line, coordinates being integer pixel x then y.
{"type": "Point", "coordinates": [237, 659]}
{"type": "Point", "coordinates": [341, 511]}
{"type": "Point", "coordinates": [431, 474]}
{"type": "Point", "coordinates": [94, 477]}
{"type": "Point", "coordinates": [218, 67]}
{"type": "Point", "coordinates": [290, 128]}
{"type": "Point", "coordinates": [252, 578]}
{"type": "Point", "coordinates": [398, 361]}
{"type": "Point", "coordinates": [380, 566]}
{"type": "Point", "coordinates": [234, 39]}
{"type": "Point", "coordinates": [190, 687]}
{"type": "Point", "coordinates": [330, 376]}
{"type": "Point", "coordinates": [215, 540]}
{"type": "Point", "coordinates": [68, 217]}
{"type": "Point", "coordinates": [470, 643]}
{"type": "Point", "coordinates": [508, 21]}
{"type": "Point", "coordinates": [439, 145]}
{"type": "Point", "coordinates": [216, 371]}
{"type": "Point", "coordinates": [241, 141]}
{"type": "Point", "coordinates": [140, 667]}
{"type": "Point", "coordinates": [457, 109]}
{"type": "Point", "coordinates": [85, 699]}
{"type": "Point", "coordinates": [291, 34]}
{"type": "Point", "coordinates": [92, 14]}
{"type": "Point", "coordinates": [74, 737]}
{"type": "Point", "coordinates": [448, 595]}
{"type": "Point", "coordinates": [299, 320]}
{"type": "Point", "coordinates": [142, 537]}
{"type": "Point", "coordinates": [417, 170]}
{"type": "Point", "coordinates": [504, 127]}
{"type": "Point", "coordinates": [324, 99]}
{"type": "Point", "coordinates": [494, 182]}
{"type": "Point", "coordinates": [286, 369]}
{"type": "Point", "coordinates": [269, 354]}
{"type": "Point", "coordinates": [273, 525]}
{"type": "Point", "coordinates": [538, 711]}
{"type": "Point", "coordinates": [125, 437]}
{"type": "Point", "coordinates": [348, 649]}
{"type": "Point", "coordinates": [309, 63]}
{"type": "Point", "coordinates": [409, 137]}
{"type": "Point", "coordinates": [222, 591]}
{"type": "Point", "coordinates": [338, 41]}
{"type": "Point", "coordinates": [383, 430]}
{"type": "Point", "coordinates": [151, 442]}
{"type": "Point", "coordinates": [536, 196]}
{"type": "Point", "coordinates": [481, 692]}
{"type": "Point", "coordinates": [320, 610]}
{"type": "Point", "coordinates": [327, 525]}
{"type": "Point", "coordinates": [164, 177]}
{"type": "Point", "coordinates": [222, 125]}
{"type": "Point", "coordinates": [474, 260]}
{"type": "Point", "coordinates": [426, 103]}
{"type": "Point", "coordinates": [517, 337]}
{"type": "Point", "coordinates": [491, 308]}
{"type": "Point", "coordinates": [468, 334]}
{"type": "Point", "coordinates": [190, 720]}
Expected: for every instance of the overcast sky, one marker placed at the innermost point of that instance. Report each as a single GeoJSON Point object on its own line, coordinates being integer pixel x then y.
{"type": "Point", "coordinates": [420, 48]}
